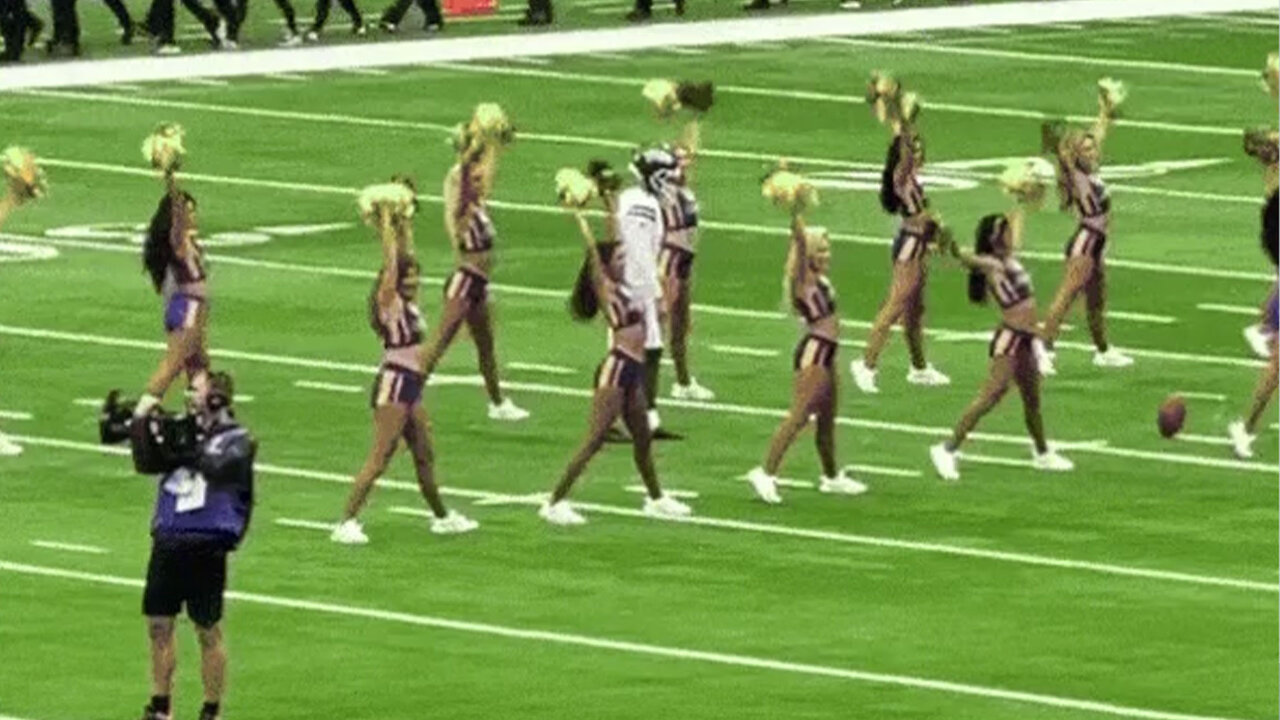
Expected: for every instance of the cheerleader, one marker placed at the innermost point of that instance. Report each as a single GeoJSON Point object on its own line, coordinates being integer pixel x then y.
{"type": "Point", "coordinates": [680, 222]}
{"type": "Point", "coordinates": [1078, 154]}
{"type": "Point", "coordinates": [619, 383]}
{"type": "Point", "coordinates": [24, 182]}
{"type": "Point", "coordinates": [902, 194]}
{"type": "Point", "coordinates": [466, 293]}
{"type": "Point", "coordinates": [995, 270]}
{"type": "Point", "coordinates": [1264, 145]}
{"type": "Point", "coordinates": [398, 413]}
{"type": "Point", "coordinates": [174, 260]}
{"type": "Point", "coordinates": [814, 300]}
{"type": "Point", "coordinates": [1244, 431]}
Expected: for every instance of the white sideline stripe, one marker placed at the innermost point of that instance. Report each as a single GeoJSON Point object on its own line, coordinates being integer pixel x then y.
{"type": "Point", "coordinates": [1052, 57]}
{"type": "Point", "coordinates": [491, 498]}
{"type": "Point", "coordinates": [820, 96]}
{"type": "Point", "coordinates": [677, 494]}
{"type": "Point", "coordinates": [637, 648]}
{"type": "Point", "coordinates": [1272, 22]}
{"type": "Point", "coordinates": [1232, 309]}
{"type": "Point", "coordinates": [1193, 395]}
{"type": "Point", "coordinates": [304, 524]}
{"type": "Point", "coordinates": [1203, 439]}
{"type": "Point", "coordinates": [203, 82]}
{"type": "Point", "coordinates": [291, 77]}
{"type": "Point", "coordinates": [70, 547]}
{"type": "Point", "coordinates": [253, 62]}
{"type": "Point", "coordinates": [15, 415]}
{"type": "Point", "coordinates": [1141, 317]}
{"type": "Point", "coordinates": [610, 56]}
{"type": "Point", "coordinates": [942, 334]}
{"type": "Point", "coordinates": [372, 72]}
{"type": "Point", "coordinates": [528, 60]}
{"type": "Point", "coordinates": [887, 471]}
{"type": "Point", "coordinates": [539, 367]}
{"type": "Point", "coordinates": [851, 238]}
{"type": "Point", "coordinates": [120, 87]}
{"type": "Point", "coordinates": [331, 387]}
{"type": "Point", "coordinates": [738, 350]}
{"type": "Point", "coordinates": [677, 50]}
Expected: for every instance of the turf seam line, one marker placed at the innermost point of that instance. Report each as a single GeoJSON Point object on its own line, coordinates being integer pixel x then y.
{"type": "Point", "coordinates": [636, 648]}
{"type": "Point", "coordinates": [684, 34]}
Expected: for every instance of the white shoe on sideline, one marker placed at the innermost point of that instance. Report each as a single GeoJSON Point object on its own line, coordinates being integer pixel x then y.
{"type": "Point", "coordinates": [168, 50]}
{"type": "Point", "coordinates": [864, 377]}
{"type": "Point", "coordinates": [1241, 440]}
{"type": "Point", "coordinates": [1046, 359]}
{"type": "Point", "coordinates": [928, 376]}
{"type": "Point", "coordinates": [841, 484]}
{"type": "Point", "coordinates": [291, 40]}
{"type": "Point", "coordinates": [349, 532]}
{"type": "Point", "coordinates": [944, 461]}
{"type": "Point", "coordinates": [311, 36]}
{"type": "Point", "coordinates": [766, 485]}
{"type": "Point", "coordinates": [1258, 340]}
{"type": "Point", "coordinates": [692, 391]}
{"type": "Point", "coordinates": [1112, 358]}
{"type": "Point", "coordinates": [666, 507]}
{"type": "Point", "coordinates": [9, 448]}
{"type": "Point", "coordinates": [560, 513]}
{"type": "Point", "coordinates": [453, 524]}
{"type": "Point", "coordinates": [507, 412]}
{"type": "Point", "coordinates": [1051, 461]}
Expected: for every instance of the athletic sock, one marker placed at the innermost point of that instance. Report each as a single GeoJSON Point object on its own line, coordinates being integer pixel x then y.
{"type": "Point", "coordinates": [160, 704]}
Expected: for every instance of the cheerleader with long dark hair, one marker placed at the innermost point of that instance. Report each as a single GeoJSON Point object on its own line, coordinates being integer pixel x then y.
{"type": "Point", "coordinates": [24, 182]}
{"type": "Point", "coordinates": [619, 382]}
{"type": "Point", "coordinates": [398, 413]}
{"type": "Point", "coordinates": [174, 261]}
{"type": "Point", "coordinates": [1077, 155]}
{"type": "Point", "coordinates": [902, 194]}
{"type": "Point", "coordinates": [815, 393]}
{"type": "Point", "coordinates": [994, 271]}
{"type": "Point", "coordinates": [466, 217]}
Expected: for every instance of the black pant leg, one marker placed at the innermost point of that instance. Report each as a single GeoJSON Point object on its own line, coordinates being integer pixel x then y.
{"type": "Point", "coordinates": [160, 21]}
{"type": "Point", "coordinates": [229, 12]}
{"type": "Point", "coordinates": [289, 14]}
{"type": "Point", "coordinates": [352, 11]}
{"type": "Point", "coordinates": [321, 15]}
{"type": "Point", "coordinates": [644, 6]}
{"type": "Point", "coordinates": [206, 17]}
{"type": "Point", "coordinates": [121, 12]}
{"type": "Point", "coordinates": [66, 26]}
{"type": "Point", "coordinates": [13, 29]}
{"type": "Point", "coordinates": [395, 12]}
{"type": "Point", "coordinates": [431, 12]}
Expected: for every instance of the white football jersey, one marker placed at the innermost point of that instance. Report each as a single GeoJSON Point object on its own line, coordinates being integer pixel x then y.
{"type": "Point", "coordinates": [640, 230]}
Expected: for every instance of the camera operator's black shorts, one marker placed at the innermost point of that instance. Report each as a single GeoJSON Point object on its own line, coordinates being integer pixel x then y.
{"type": "Point", "coordinates": [191, 573]}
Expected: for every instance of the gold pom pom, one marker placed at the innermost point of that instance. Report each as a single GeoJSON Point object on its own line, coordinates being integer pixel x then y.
{"type": "Point", "coordinates": [164, 148]}
{"type": "Point", "coordinates": [396, 197]}
{"type": "Point", "coordinates": [1027, 180]}
{"type": "Point", "coordinates": [789, 191]}
{"type": "Point", "coordinates": [1112, 94]}
{"type": "Point", "coordinates": [574, 188]}
{"type": "Point", "coordinates": [664, 96]}
{"type": "Point", "coordinates": [491, 125]}
{"type": "Point", "coordinates": [1271, 75]}
{"type": "Point", "coordinates": [23, 174]}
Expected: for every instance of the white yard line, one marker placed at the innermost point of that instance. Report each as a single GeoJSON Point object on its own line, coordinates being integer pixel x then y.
{"type": "Point", "coordinates": [677, 494]}
{"type": "Point", "coordinates": [1203, 439]}
{"type": "Point", "coordinates": [677, 50]}
{"type": "Point", "coordinates": [992, 460]}
{"type": "Point", "coordinates": [203, 82]}
{"type": "Point", "coordinates": [1195, 395]}
{"type": "Point", "coordinates": [1141, 317]}
{"type": "Point", "coordinates": [330, 387]}
{"type": "Point", "coordinates": [685, 34]}
{"type": "Point", "coordinates": [631, 647]}
{"type": "Point", "coordinates": [370, 72]}
{"type": "Point", "coordinates": [748, 351]}
{"type": "Point", "coordinates": [611, 56]}
{"type": "Point", "coordinates": [1231, 309]}
{"type": "Point", "coordinates": [539, 367]}
{"type": "Point", "coordinates": [1271, 23]}
{"type": "Point", "coordinates": [1056, 58]}
{"type": "Point", "coordinates": [88, 402]}
{"type": "Point", "coordinates": [491, 498]}
{"type": "Point", "coordinates": [70, 547]}
{"type": "Point", "coordinates": [528, 60]}
{"type": "Point", "coordinates": [887, 471]}
{"type": "Point", "coordinates": [304, 524]}
{"type": "Point", "coordinates": [15, 415]}
{"type": "Point", "coordinates": [290, 77]}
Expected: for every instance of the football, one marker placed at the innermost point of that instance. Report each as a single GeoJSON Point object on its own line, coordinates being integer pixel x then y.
{"type": "Point", "coordinates": [1173, 413]}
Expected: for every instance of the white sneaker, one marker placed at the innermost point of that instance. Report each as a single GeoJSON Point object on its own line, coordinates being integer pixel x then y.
{"type": "Point", "coordinates": [1051, 461]}
{"type": "Point", "coordinates": [168, 50]}
{"type": "Point", "coordinates": [864, 377]}
{"type": "Point", "coordinates": [560, 514]}
{"type": "Point", "coordinates": [944, 461]}
{"type": "Point", "coordinates": [1112, 358]}
{"type": "Point", "coordinates": [928, 376]}
{"type": "Point", "coordinates": [851, 5]}
{"type": "Point", "coordinates": [220, 32]}
{"type": "Point", "coordinates": [453, 524]}
{"type": "Point", "coordinates": [507, 412]}
{"type": "Point", "coordinates": [1258, 340]}
{"type": "Point", "coordinates": [666, 507]}
{"type": "Point", "coordinates": [311, 36]}
{"type": "Point", "coordinates": [841, 484]}
{"type": "Point", "coordinates": [1046, 359]}
{"type": "Point", "coordinates": [766, 485]}
{"type": "Point", "coordinates": [9, 448]}
{"type": "Point", "coordinates": [349, 532]}
{"type": "Point", "coordinates": [692, 391]}
{"type": "Point", "coordinates": [291, 40]}
{"type": "Point", "coordinates": [228, 45]}
{"type": "Point", "coordinates": [1241, 440]}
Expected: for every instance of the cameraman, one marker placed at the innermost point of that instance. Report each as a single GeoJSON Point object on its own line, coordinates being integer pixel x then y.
{"type": "Point", "coordinates": [203, 506]}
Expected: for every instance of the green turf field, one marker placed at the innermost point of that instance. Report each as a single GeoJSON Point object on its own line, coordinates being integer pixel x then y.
{"type": "Point", "coordinates": [1142, 585]}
